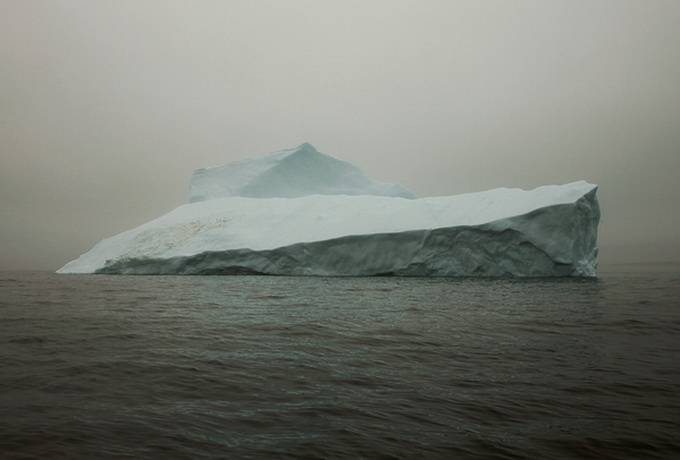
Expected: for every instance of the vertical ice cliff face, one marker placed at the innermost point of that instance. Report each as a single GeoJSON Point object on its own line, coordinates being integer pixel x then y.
{"type": "Point", "coordinates": [288, 173]}
{"type": "Point", "coordinates": [300, 212]}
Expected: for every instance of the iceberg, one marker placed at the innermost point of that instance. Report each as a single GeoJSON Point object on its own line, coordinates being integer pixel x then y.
{"type": "Point", "coordinates": [301, 212]}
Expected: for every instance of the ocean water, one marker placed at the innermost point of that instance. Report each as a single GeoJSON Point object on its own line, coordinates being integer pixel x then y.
{"type": "Point", "coordinates": [95, 366]}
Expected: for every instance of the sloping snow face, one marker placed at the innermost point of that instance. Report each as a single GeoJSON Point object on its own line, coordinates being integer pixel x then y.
{"type": "Point", "coordinates": [329, 219]}
{"type": "Point", "coordinates": [288, 173]}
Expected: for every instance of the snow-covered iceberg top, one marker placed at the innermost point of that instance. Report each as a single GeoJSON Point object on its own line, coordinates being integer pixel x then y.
{"type": "Point", "coordinates": [289, 173]}
{"type": "Point", "coordinates": [548, 231]}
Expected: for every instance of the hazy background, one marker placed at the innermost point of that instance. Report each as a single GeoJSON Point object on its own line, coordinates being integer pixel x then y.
{"type": "Point", "coordinates": [107, 107]}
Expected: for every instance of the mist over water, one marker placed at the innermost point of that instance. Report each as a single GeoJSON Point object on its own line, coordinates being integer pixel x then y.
{"type": "Point", "coordinates": [286, 367]}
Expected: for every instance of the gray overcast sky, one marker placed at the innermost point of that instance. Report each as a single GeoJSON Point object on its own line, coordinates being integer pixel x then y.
{"type": "Point", "coordinates": [107, 107]}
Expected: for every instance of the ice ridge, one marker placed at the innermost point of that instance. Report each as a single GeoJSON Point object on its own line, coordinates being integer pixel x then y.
{"type": "Point", "coordinates": [289, 173]}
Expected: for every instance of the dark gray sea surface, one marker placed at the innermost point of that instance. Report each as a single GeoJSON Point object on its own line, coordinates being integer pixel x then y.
{"type": "Point", "coordinates": [95, 366]}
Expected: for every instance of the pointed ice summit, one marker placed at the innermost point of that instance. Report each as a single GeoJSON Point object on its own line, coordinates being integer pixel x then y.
{"type": "Point", "coordinates": [288, 173]}
{"type": "Point", "coordinates": [301, 212]}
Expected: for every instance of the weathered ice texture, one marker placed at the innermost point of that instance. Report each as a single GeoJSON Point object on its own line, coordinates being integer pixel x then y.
{"type": "Point", "coordinates": [379, 230]}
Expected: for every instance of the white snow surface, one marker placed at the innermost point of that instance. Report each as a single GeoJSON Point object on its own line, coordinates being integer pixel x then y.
{"type": "Point", "coordinates": [548, 231]}
{"type": "Point", "coordinates": [290, 173]}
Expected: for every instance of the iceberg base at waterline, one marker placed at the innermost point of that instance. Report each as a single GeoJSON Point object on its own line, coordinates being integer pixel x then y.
{"type": "Point", "coordinates": [547, 231]}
